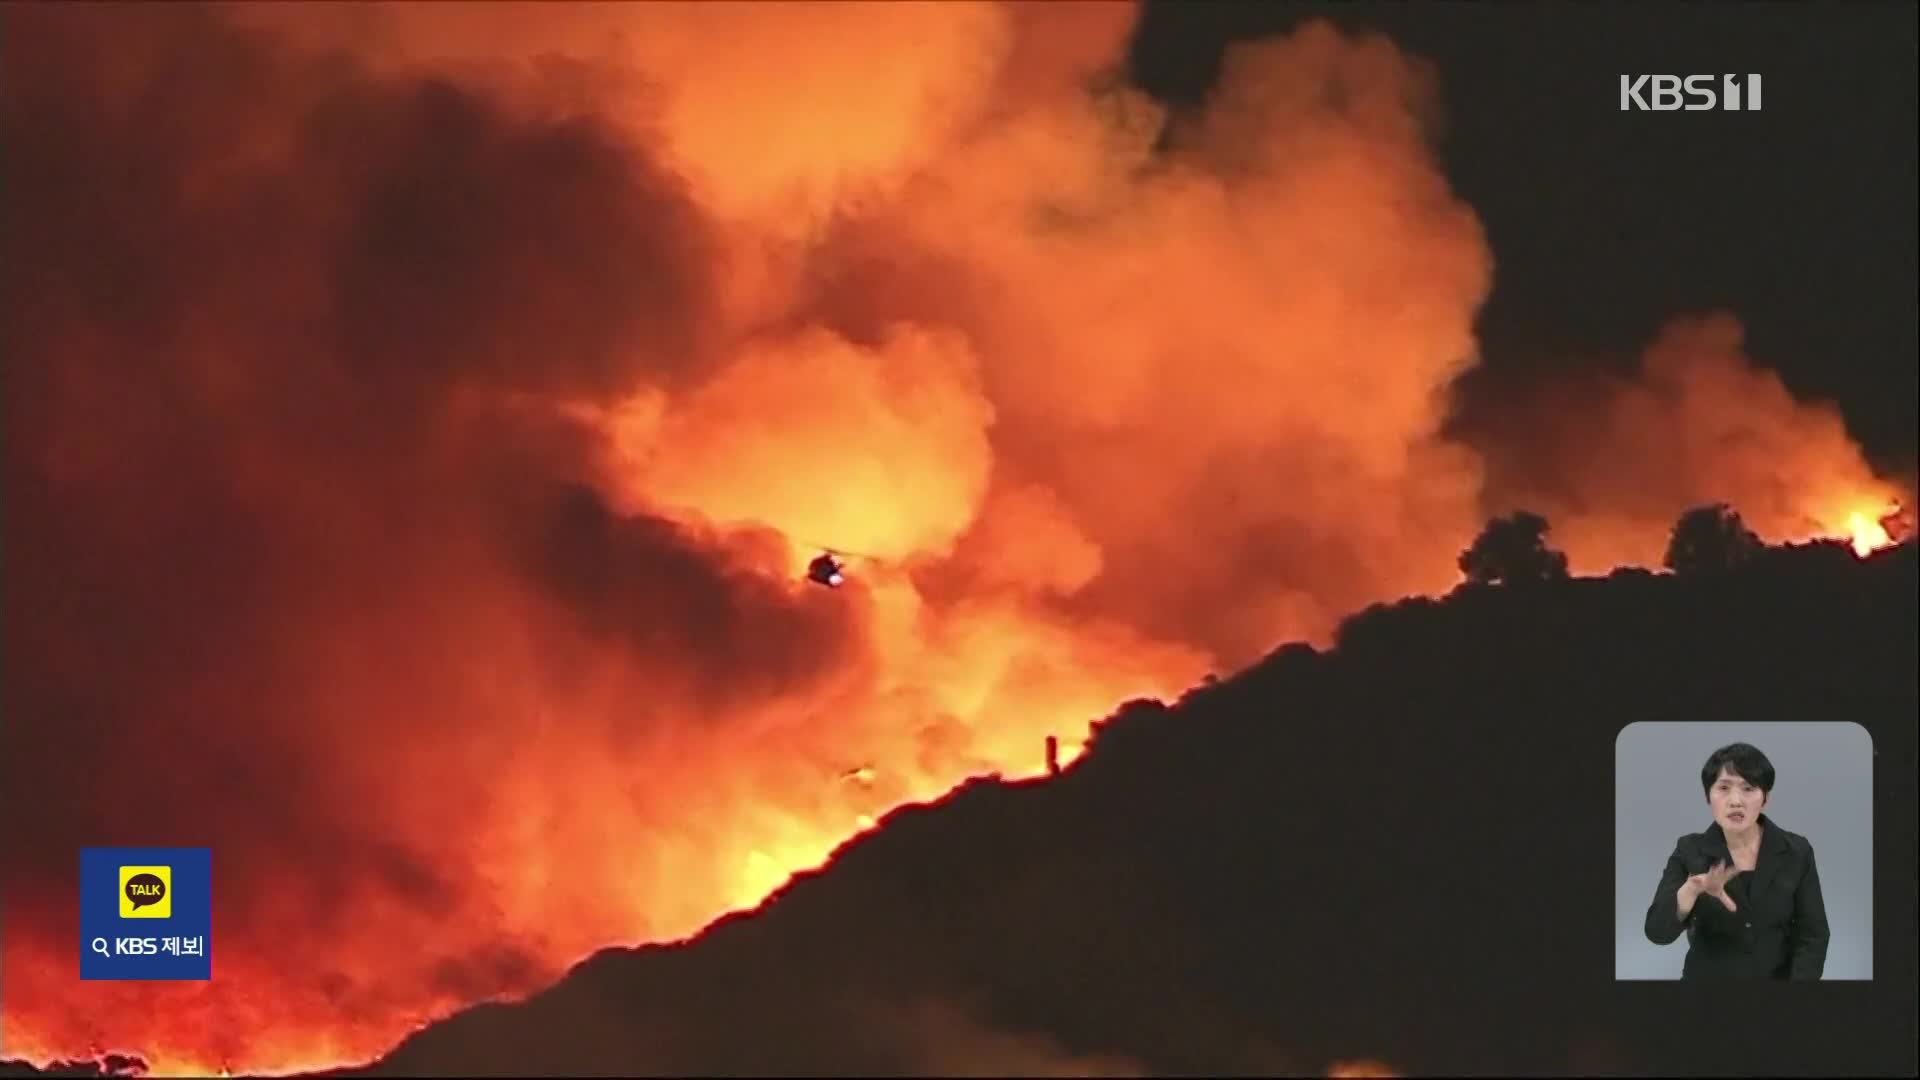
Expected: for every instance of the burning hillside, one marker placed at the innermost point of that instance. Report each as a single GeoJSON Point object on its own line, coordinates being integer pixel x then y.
{"type": "Point", "coordinates": [418, 419]}
{"type": "Point", "coordinates": [1228, 885]}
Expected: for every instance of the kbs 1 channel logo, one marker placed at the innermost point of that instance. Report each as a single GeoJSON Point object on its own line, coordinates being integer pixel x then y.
{"type": "Point", "coordinates": [1690, 93]}
{"type": "Point", "coordinates": [146, 913]}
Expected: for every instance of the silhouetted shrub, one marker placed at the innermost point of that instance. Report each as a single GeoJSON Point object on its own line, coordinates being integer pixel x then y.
{"type": "Point", "coordinates": [1710, 539]}
{"type": "Point", "coordinates": [1513, 549]}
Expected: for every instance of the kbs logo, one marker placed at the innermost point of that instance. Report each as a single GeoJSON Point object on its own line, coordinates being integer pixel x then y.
{"type": "Point", "coordinates": [1694, 93]}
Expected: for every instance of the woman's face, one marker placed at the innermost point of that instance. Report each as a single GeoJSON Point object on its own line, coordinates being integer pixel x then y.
{"type": "Point", "coordinates": [1736, 801]}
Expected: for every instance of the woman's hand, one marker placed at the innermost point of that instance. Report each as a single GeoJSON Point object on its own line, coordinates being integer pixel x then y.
{"type": "Point", "coordinates": [1714, 883]}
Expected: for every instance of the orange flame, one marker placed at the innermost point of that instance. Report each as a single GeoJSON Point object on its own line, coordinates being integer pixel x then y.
{"type": "Point", "coordinates": [1869, 534]}
{"type": "Point", "coordinates": [1104, 400]}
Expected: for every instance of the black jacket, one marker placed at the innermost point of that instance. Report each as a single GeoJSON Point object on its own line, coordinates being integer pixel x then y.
{"type": "Point", "coordinates": [1779, 926]}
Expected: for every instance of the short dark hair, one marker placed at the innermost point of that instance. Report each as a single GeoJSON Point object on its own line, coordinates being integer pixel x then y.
{"type": "Point", "coordinates": [1747, 763]}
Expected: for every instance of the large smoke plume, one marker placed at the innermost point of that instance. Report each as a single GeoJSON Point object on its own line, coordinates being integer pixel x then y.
{"type": "Point", "coordinates": [416, 418]}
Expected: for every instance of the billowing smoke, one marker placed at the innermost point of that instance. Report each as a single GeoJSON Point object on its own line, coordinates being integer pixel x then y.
{"type": "Point", "coordinates": [1612, 459]}
{"type": "Point", "coordinates": [417, 418]}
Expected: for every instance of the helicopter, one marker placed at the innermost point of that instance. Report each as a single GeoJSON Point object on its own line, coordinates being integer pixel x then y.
{"type": "Point", "coordinates": [830, 567]}
{"type": "Point", "coordinates": [827, 569]}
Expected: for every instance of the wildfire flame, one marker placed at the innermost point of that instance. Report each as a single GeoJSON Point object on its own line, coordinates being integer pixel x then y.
{"type": "Point", "coordinates": [457, 529]}
{"type": "Point", "coordinates": [1869, 534]}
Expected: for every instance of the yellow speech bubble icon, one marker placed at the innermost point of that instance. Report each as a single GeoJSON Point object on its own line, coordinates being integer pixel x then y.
{"type": "Point", "coordinates": [146, 892]}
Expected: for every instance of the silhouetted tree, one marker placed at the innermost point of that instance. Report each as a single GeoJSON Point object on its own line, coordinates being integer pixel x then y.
{"type": "Point", "coordinates": [1513, 549]}
{"type": "Point", "coordinates": [112, 1065]}
{"type": "Point", "coordinates": [1709, 539]}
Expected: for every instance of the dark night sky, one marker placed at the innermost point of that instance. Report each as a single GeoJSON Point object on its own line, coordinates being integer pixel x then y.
{"type": "Point", "coordinates": [1799, 218]}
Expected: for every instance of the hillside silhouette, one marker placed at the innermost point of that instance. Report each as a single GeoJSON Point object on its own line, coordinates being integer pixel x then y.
{"type": "Point", "coordinates": [1397, 849]}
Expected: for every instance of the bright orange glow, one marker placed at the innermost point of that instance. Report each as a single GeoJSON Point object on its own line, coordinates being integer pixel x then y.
{"type": "Point", "coordinates": [1867, 533]}
{"type": "Point", "coordinates": [470, 626]}
{"type": "Point", "coordinates": [1361, 1068]}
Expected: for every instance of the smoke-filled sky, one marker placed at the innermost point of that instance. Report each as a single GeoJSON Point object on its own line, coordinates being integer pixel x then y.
{"type": "Point", "coordinates": [417, 417]}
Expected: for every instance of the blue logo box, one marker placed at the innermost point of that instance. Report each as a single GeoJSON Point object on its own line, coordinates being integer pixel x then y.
{"type": "Point", "coordinates": [146, 913]}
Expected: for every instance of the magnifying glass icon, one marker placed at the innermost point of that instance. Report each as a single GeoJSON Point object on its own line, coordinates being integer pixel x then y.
{"type": "Point", "coordinates": [100, 946]}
